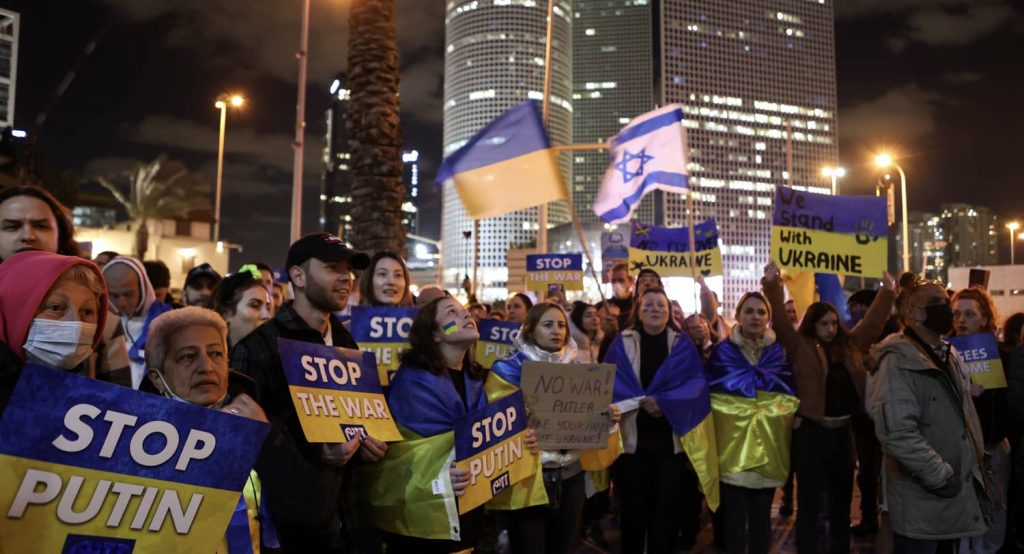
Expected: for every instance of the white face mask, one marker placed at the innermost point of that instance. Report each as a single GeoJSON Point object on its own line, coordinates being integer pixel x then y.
{"type": "Point", "coordinates": [59, 344]}
{"type": "Point", "coordinates": [168, 393]}
{"type": "Point", "coordinates": [620, 290]}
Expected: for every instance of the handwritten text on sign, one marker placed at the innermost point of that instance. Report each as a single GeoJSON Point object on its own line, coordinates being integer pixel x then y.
{"type": "Point", "coordinates": [667, 249]}
{"type": "Point", "coordinates": [336, 392]}
{"type": "Point", "coordinates": [385, 332]}
{"type": "Point", "coordinates": [490, 442]}
{"type": "Point", "coordinates": [87, 466]}
{"type": "Point", "coordinates": [818, 233]}
{"type": "Point", "coordinates": [543, 270]}
{"type": "Point", "coordinates": [496, 338]}
{"type": "Point", "coordinates": [980, 355]}
{"type": "Point", "coordinates": [569, 403]}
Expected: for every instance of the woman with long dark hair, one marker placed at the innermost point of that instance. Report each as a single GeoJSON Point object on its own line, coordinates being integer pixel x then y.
{"type": "Point", "coordinates": [828, 361]}
{"type": "Point", "coordinates": [386, 281]}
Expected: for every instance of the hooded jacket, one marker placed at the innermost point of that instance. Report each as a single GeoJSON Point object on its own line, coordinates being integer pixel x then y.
{"type": "Point", "coordinates": [135, 324]}
{"type": "Point", "coordinates": [929, 434]}
{"type": "Point", "coordinates": [25, 279]}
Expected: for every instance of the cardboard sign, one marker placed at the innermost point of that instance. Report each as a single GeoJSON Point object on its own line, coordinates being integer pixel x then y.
{"type": "Point", "coordinates": [980, 355]}
{"type": "Point", "coordinates": [545, 270]}
{"type": "Point", "coordinates": [490, 442]}
{"type": "Point", "coordinates": [667, 249]}
{"type": "Point", "coordinates": [495, 342]}
{"type": "Point", "coordinates": [820, 233]}
{"type": "Point", "coordinates": [336, 392]}
{"type": "Point", "coordinates": [614, 250]}
{"type": "Point", "coordinates": [569, 403]}
{"type": "Point", "coordinates": [385, 332]}
{"type": "Point", "coordinates": [88, 466]}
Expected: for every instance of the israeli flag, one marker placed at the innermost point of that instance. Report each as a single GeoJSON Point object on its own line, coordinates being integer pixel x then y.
{"type": "Point", "coordinates": [648, 154]}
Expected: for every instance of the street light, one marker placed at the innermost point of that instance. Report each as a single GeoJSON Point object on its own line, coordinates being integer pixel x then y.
{"type": "Point", "coordinates": [236, 101]}
{"type": "Point", "coordinates": [885, 160]}
{"type": "Point", "coordinates": [1012, 226]}
{"type": "Point", "coordinates": [835, 173]}
{"type": "Point", "coordinates": [300, 127]}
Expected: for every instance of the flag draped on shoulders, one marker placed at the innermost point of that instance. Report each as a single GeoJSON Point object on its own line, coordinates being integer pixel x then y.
{"type": "Point", "coordinates": [680, 388]}
{"type": "Point", "coordinates": [650, 153]}
{"type": "Point", "coordinates": [400, 488]}
{"type": "Point", "coordinates": [754, 406]}
{"type": "Point", "coordinates": [508, 165]}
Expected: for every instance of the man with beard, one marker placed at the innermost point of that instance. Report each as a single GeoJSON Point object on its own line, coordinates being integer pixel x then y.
{"type": "Point", "coordinates": [302, 481]}
{"type": "Point", "coordinates": [199, 285]}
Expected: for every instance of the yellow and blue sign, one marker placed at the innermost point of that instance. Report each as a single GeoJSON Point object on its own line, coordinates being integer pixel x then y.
{"type": "Point", "coordinates": [496, 341]}
{"type": "Point", "coordinates": [385, 332]}
{"type": "Point", "coordinates": [491, 443]}
{"type": "Point", "coordinates": [667, 249]}
{"type": "Point", "coordinates": [88, 466]}
{"type": "Point", "coordinates": [820, 233]}
{"type": "Point", "coordinates": [545, 271]}
{"type": "Point", "coordinates": [980, 355]}
{"type": "Point", "coordinates": [336, 392]}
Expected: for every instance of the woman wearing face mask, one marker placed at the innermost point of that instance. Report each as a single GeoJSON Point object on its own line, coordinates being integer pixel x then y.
{"type": "Point", "coordinates": [754, 401]}
{"type": "Point", "coordinates": [662, 391]}
{"type": "Point", "coordinates": [585, 328]}
{"type": "Point", "coordinates": [386, 282]}
{"type": "Point", "coordinates": [186, 360]}
{"type": "Point", "coordinates": [828, 362]}
{"type": "Point", "coordinates": [517, 306]}
{"type": "Point", "coordinates": [542, 521]}
{"type": "Point", "coordinates": [50, 309]}
{"type": "Point", "coordinates": [974, 313]}
{"type": "Point", "coordinates": [244, 302]}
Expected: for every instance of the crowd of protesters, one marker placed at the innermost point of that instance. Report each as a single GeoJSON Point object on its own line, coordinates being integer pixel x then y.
{"type": "Point", "coordinates": [880, 399]}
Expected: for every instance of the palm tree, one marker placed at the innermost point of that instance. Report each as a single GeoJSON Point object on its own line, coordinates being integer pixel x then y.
{"type": "Point", "coordinates": [160, 189]}
{"type": "Point", "coordinates": [373, 126]}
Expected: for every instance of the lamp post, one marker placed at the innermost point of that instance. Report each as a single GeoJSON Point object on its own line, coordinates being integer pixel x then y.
{"type": "Point", "coordinates": [884, 161]}
{"type": "Point", "coordinates": [236, 101]}
{"type": "Point", "coordinates": [300, 127]}
{"type": "Point", "coordinates": [835, 173]}
{"type": "Point", "coordinates": [1012, 227]}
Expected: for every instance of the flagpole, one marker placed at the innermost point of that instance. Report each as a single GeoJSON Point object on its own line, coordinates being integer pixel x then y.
{"type": "Point", "coordinates": [690, 216]}
{"type": "Point", "coordinates": [542, 210]}
{"type": "Point", "coordinates": [476, 255]}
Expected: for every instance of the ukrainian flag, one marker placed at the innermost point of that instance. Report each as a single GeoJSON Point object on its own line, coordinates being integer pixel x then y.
{"type": "Point", "coordinates": [509, 165]}
{"type": "Point", "coordinates": [806, 287]}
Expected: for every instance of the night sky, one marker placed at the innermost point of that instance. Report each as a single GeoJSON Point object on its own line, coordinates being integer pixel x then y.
{"type": "Point", "coordinates": [939, 81]}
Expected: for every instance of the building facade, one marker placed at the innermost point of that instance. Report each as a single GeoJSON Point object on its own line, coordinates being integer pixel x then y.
{"type": "Point", "coordinates": [9, 28]}
{"type": "Point", "coordinates": [494, 59]}
{"type": "Point", "coordinates": [971, 234]}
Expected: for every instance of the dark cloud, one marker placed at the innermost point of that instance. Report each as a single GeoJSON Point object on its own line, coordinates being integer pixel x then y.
{"type": "Point", "coordinates": [961, 77]}
{"type": "Point", "coordinates": [933, 22]}
{"type": "Point", "coordinates": [905, 113]}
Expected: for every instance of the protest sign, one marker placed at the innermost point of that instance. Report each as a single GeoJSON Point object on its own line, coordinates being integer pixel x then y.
{"type": "Point", "coordinates": [569, 403]}
{"type": "Point", "coordinates": [490, 442]}
{"type": "Point", "coordinates": [551, 270]}
{"type": "Point", "coordinates": [385, 332]}
{"type": "Point", "coordinates": [88, 466]}
{"type": "Point", "coordinates": [980, 355]}
{"type": "Point", "coordinates": [820, 233]}
{"type": "Point", "coordinates": [614, 250]}
{"type": "Point", "coordinates": [667, 249]}
{"type": "Point", "coordinates": [336, 392]}
{"type": "Point", "coordinates": [495, 342]}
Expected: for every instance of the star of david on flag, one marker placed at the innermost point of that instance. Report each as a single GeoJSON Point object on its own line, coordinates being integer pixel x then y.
{"type": "Point", "coordinates": [648, 154]}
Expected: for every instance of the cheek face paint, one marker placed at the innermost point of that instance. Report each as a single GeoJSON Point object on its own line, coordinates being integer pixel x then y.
{"type": "Point", "coordinates": [450, 328]}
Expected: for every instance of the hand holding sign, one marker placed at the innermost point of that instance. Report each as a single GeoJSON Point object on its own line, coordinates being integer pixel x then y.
{"type": "Point", "coordinates": [650, 405]}
{"type": "Point", "coordinates": [243, 405]}
{"type": "Point", "coordinates": [373, 449]}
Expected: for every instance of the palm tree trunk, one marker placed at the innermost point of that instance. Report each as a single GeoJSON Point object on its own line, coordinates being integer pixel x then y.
{"type": "Point", "coordinates": [141, 239]}
{"type": "Point", "coordinates": [373, 124]}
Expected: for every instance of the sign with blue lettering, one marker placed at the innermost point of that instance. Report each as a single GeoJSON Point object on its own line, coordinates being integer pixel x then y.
{"type": "Point", "coordinates": [88, 466]}
{"type": "Point", "coordinates": [544, 270]}
{"type": "Point", "coordinates": [980, 355]}
{"type": "Point", "coordinates": [667, 249]}
{"type": "Point", "coordinates": [336, 392]}
{"type": "Point", "coordinates": [614, 250]}
{"type": "Point", "coordinates": [385, 332]}
{"type": "Point", "coordinates": [496, 338]}
{"type": "Point", "coordinates": [490, 443]}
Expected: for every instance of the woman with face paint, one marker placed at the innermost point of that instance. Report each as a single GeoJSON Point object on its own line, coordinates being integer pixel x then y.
{"type": "Point", "coordinates": [50, 309]}
{"type": "Point", "coordinates": [753, 396]}
{"type": "Point", "coordinates": [544, 520]}
{"type": "Point", "coordinates": [974, 313]}
{"type": "Point", "coordinates": [828, 362]}
{"type": "Point", "coordinates": [386, 282]}
{"type": "Point", "coordinates": [187, 361]}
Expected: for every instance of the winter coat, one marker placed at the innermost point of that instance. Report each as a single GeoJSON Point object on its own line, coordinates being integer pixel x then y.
{"type": "Point", "coordinates": [929, 433]}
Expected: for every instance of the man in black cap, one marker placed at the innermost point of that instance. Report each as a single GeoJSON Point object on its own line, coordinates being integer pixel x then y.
{"type": "Point", "coordinates": [199, 285]}
{"type": "Point", "coordinates": [302, 481]}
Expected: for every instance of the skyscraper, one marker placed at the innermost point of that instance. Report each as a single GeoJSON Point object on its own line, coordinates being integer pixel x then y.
{"type": "Point", "coordinates": [336, 184]}
{"type": "Point", "coordinates": [9, 24]}
{"type": "Point", "coordinates": [757, 85]}
{"type": "Point", "coordinates": [971, 235]}
{"type": "Point", "coordinates": [494, 59]}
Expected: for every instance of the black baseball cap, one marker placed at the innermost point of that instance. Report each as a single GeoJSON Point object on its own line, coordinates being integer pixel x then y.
{"type": "Point", "coordinates": [326, 248]}
{"type": "Point", "coordinates": [200, 271]}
